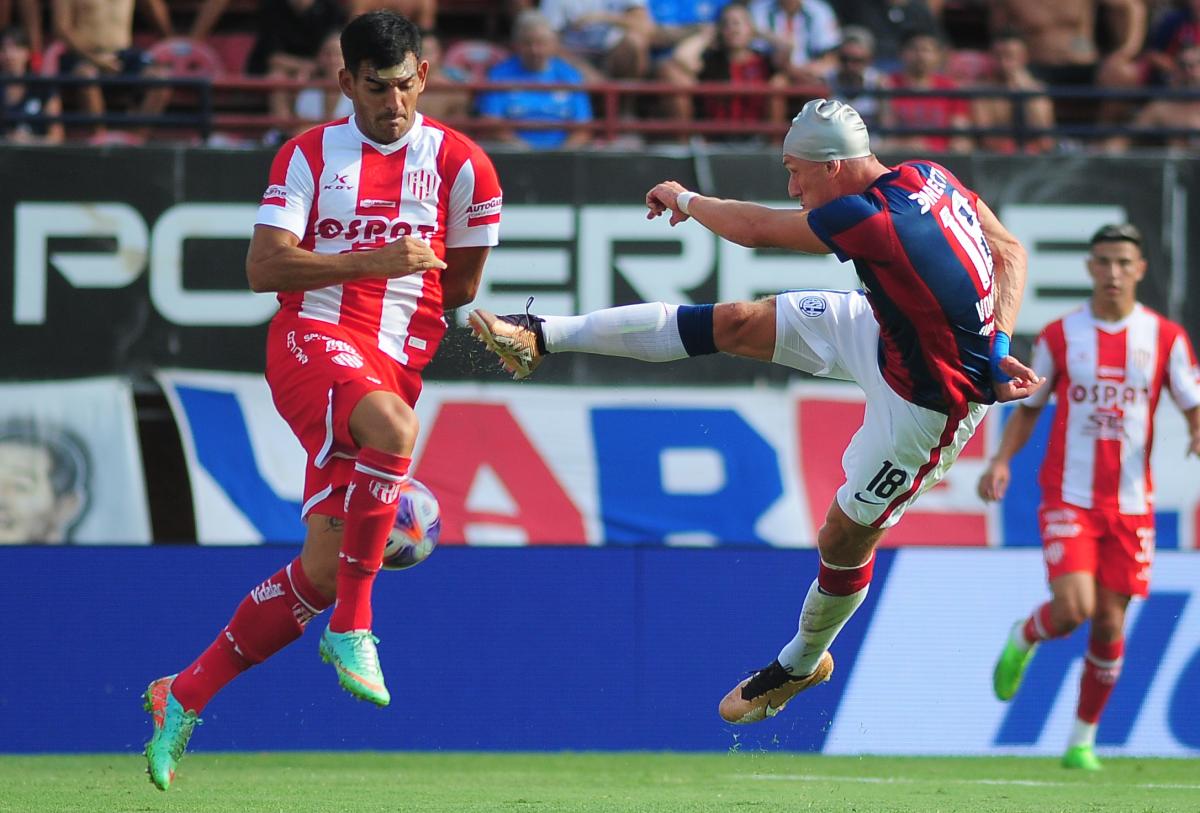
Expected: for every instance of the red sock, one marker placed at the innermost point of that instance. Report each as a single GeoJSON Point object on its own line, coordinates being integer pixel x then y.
{"type": "Point", "coordinates": [267, 620]}
{"type": "Point", "coordinates": [1101, 668]}
{"type": "Point", "coordinates": [370, 515]}
{"type": "Point", "coordinates": [1038, 627]}
{"type": "Point", "coordinates": [845, 581]}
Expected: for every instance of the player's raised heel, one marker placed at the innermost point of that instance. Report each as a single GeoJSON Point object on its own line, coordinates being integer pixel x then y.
{"type": "Point", "coordinates": [1010, 668]}
{"type": "Point", "coordinates": [172, 729]}
{"type": "Point", "coordinates": [515, 338]}
{"type": "Point", "coordinates": [356, 660]}
{"type": "Point", "coordinates": [1081, 758]}
{"type": "Point", "coordinates": [765, 693]}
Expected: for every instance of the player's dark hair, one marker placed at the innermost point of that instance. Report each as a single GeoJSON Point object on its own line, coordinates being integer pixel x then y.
{"type": "Point", "coordinates": [68, 460]}
{"type": "Point", "coordinates": [382, 38]}
{"type": "Point", "coordinates": [1116, 233]}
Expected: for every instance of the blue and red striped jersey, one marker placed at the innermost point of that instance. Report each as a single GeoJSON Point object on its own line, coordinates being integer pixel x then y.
{"type": "Point", "coordinates": [916, 241]}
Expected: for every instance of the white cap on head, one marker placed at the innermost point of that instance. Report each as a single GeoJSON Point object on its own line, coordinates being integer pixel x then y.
{"type": "Point", "coordinates": [826, 130]}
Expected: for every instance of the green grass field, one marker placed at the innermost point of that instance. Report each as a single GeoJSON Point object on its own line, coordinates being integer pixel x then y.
{"type": "Point", "coordinates": [605, 783]}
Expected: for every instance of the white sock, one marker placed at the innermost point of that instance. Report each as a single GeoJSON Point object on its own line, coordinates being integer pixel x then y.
{"type": "Point", "coordinates": [1017, 637]}
{"type": "Point", "coordinates": [1082, 734]}
{"type": "Point", "coordinates": [821, 619]}
{"type": "Point", "coordinates": [647, 332]}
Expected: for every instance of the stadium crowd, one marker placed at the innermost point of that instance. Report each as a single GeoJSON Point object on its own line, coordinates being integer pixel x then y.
{"type": "Point", "coordinates": [998, 75]}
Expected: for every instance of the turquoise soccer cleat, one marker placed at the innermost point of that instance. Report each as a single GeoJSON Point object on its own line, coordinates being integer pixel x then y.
{"type": "Point", "coordinates": [172, 729]}
{"type": "Point", "coordinates": [1010, 670]}
{"type": "Point", "coordinates": [356, 660]}
{"type": "Point", "coordinates": [1081, 758]}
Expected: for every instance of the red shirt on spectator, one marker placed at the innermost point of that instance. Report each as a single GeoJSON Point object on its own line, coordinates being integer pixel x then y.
{"type": "Point", "coordinates": [929, 111]}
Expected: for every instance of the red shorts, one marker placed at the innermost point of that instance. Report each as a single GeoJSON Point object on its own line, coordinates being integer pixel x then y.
{"type": "Point", "coordinates": [1118, 549]}
{"type": "Point", "coordinates": [318, 372]}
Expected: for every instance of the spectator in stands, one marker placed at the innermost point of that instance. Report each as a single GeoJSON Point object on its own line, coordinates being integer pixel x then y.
{"type": "Point", "coordinates": [25, 99]}
{"type": "Point", "coordinates": [1010, 59]}
{"type": "Point", "coordinates": [421, 12]}
{"type": "Point", "coordinates": [290, 33]}
{"type": "Point", "coordinates": [603, 37]}
{"type": "Point", "coordinates": [443, 98]}
{"type": "Point", "coordinates": [736, 57]}
{"type": "Point", "coordinates": [1175, 31]}
{"type": "Point", "coordinates": [535, 61]}
{"type": "Point", "coordinates": [805, 30]}
{"type": "Point", "coordinates": [683, 29]}
{"type": "Point", "coordinates": [31, 21]}
{"type": "Point", "coordinates": [921, 57]}
{"type": "Point", "coordinates": [855, 79]}
{"type": "Point", "coordinates": [890, 21]}
{"type": "Point", "coordinates": [1172, 113]}
{"type": "Point", "coordinates": [1061, 35]}
{"type": "Point", "coordinates": [324, 101]}
{"type": "Point", "coordinates": [98, 35]}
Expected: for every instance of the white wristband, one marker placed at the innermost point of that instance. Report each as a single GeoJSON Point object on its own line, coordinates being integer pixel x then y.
{"type": "Point", "coordinates": [682, 201]}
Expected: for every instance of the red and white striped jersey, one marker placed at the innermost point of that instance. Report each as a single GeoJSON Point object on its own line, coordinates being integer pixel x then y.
{"type": "Point", "coordinates": [1107, 378]}
{"type": "Point", "coordinates": [338, 191]}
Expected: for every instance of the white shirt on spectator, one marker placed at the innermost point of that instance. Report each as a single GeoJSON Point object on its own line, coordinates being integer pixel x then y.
{"type": "Point", "coordinates": [310, 105]}
{"type": "Point", "coordinates": [593, 38]}
{"type": "Point", "coordinates": [812, 31]}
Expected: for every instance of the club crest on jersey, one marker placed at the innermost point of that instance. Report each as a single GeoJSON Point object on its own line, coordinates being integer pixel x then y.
{"type": "Point", "coordinates": [422, 183]}
{"type": "Point", "coordinates": [812, 306]}
{"type": "Point", "coordinates": [385, 492]}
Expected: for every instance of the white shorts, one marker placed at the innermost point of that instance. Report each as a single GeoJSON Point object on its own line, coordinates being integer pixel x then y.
{"type": "Point", "coordinates": [902, 449]}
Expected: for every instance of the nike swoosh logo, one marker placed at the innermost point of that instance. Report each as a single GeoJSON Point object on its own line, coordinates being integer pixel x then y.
{"type": "Point", "coordinates": [858, 496]}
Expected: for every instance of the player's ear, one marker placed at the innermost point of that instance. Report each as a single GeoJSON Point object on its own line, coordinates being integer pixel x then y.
{"type": "Point", "coordinates": [346, 82]}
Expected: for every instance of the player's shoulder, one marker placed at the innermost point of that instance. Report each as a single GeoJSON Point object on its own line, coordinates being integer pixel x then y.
{"type": "Point", "coordinates": [1166, 326]}
{"type": "Point", "coordinates": [310, 141]}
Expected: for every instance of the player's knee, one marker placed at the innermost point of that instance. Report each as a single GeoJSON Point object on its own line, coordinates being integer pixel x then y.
{"type": "Point", "coordinates": [745, 328]}
{"type": "Point", "coordinates": [1073, 612]}
{"type": "Point", "coordinates": [384, 421]}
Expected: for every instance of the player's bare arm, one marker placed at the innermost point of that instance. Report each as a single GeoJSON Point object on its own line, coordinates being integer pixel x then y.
{"type": "Point", "coordinates": [460, 280]}
{"type": "Point", "coordinates": [1193, 421]}
{"type": "Point", "coordinates": [1010, 265]}
{"type": "Point", "coordinates": [275, 262]}
{"type": "Point", "coordinates": [741, 222]}
{"type": "Point", "coordinates": [993, 483]}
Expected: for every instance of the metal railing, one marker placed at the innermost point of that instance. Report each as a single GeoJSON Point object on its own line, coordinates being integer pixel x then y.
{"type": "Point", "coordinates": [236, 105]}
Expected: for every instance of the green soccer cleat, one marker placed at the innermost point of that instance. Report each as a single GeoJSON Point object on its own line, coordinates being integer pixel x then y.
{"type": "Point", "coordinates": [1010, 669]}
{"type": "Point", "coordinates": [172, 729]}
{"type": "Point", "coordinates": [1081, 758]}
{"type": "Point", "coordinates": [354, 657]}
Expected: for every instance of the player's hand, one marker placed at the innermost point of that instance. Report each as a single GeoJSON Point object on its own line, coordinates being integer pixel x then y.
{"type": "Point", "coordinates": [994, 481]}
{"type": "Point", "coordinates": [405, 256]}
{"type": "Point", "coordinates": [664, 198]}
{"type": "Point", "coordinates": [1025, 381]}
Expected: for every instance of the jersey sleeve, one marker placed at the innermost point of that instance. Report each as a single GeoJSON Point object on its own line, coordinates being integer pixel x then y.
{"type": "Point", "coordinates": [1183, 374]}
{"type": "Point", "coordinates": [289, 195]}
{"type": "Point", "coordinates": [852, 226]}
{"type": "Point", "coordinates": [473, 218]}
{"type": "Point", "coordinates": [1042, 364]}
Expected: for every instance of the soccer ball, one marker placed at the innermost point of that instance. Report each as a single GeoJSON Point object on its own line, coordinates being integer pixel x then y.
{"type": "Point", "coordinates": [418, 523]}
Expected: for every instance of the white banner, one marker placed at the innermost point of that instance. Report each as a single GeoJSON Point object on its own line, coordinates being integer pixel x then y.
{"type": "Point", "coordinates": [70, 464]}
{"type": "Point", "coordinates": [530, 464]}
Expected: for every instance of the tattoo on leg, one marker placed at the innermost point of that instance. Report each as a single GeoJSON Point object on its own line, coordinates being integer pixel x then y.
{"type": "Point", "coordinates": [336, 523]}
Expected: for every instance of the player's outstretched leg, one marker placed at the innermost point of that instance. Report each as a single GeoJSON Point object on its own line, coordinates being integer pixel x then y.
{"type": "Point", "coordinates": [805, 661]}
{"type": "Point", "coordinates": [172, 730]}
{"type": "Point", "coordinates": [1101, 668]}
{"type": "Point", "coordinates": [348, 644]}
{"type": "Point", "coordinates": [651, 331]}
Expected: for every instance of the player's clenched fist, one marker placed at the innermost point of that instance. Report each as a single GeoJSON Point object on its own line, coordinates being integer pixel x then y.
{"type": "Point", "coordinates": [994, 481]}
{"type": "Point", "coordinates": [405, 256]}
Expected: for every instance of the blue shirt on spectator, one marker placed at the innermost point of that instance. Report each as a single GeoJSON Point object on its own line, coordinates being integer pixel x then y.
{"type": "Point", "coordinates": [685, 12]}
{"type": "Point", "coordinates": [537, 104]}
